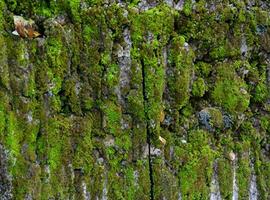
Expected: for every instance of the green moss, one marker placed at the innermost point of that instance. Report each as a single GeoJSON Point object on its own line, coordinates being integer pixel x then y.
{"type": "Point", "coordinates": [124, 142]}
{"type": "Point", "coordinates": [22, 154]}
{"type": "Point", "coordinates": [112, 75]}
{"type": "Point", "coordinates": [75, 10]}
{"type": "Point", "coordinates": [230, 91]}
{"type": "Point", "coordinates": [154, 86]}
{"type": "Point", "coordinates": [30, 88]}
{"type": "Point", "coordinates": [45, 12]}
{"type": "Point", "coordinates": [196, 170]}
{"type": "Point", "coordinates": [57, 143]}
{"type": "Point", "coordinates": [241, 16]}
{"type": "Point", "coordinates": [261, 92]}
{"type": "Point", "coordinates": [228, 14]}
{"type": "Point", "coordinates": [143, 180]}
{"type": "Point", "coordinates": [12, 4]}
{"type": "Point", "coordinates": [55, 53]}
{"type": "Point", "coordinates": [75, 73]}
{"type": "Point", "coordinates": [112, 117]}
{"type": "Point", "coordinates": [2, 120]}
{"type": "Point", "coordinates": [70, 101]}
{"type": "Point", "coordinates": [82, 155]}
{"type": "Point", "coordinates": [153, 25]}
{"type": "Point", "coordinates": [182, 66]}
{"type": "Point", "coordinates": [164, 178]}
{"type": "Point", "coordinates": [249, 133]}
{"type": "Point", "coordinates": [130, 183]}
{"type": "Point", "coordinates": [117, 19]}
{"type": "Point", "coordinates": [225, 178]}
{"type": "Point", "coordinates": [263, 178]}
{"type": "Point", "coordinates": [203, 68]}
{"type": "Point", "coordinates": [187, 9]}
{"type": "Point", "coordinates": [14, 136]}
{"type": "Point", "coordinates": [265, 123]}
{"type": "Point", "coordinates": [28, 8]}
{"type": "Point", "coordinates": [159, 21]}
{"type": "Point", "coordinates": [216, 118]}
{"type": "Point", "coordinates": [136, 105]}
{"type": "Point", "coordinates": [199, 87]}
{"type": "Point", "coordinates": [4, 77]}
{"type": "Point", "coordinates": [243, 177]}
{"type": "Point", "coordinates": [56, 81]}
{"type": "Point", "coordinates": [219, 52]}
{"type": "Point", "coordinates": [188, 110]}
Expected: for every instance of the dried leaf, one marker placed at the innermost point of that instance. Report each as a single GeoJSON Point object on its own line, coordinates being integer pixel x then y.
{"type": "Point", "coordinates": [162, 116]}
{"type": "Point", "coordinates": [162, 140]}
{"type": "Point", "coordinates": [24, 28]}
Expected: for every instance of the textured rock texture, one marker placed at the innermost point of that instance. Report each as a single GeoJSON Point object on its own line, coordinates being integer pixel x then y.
{"type": "Point", "coordinates": [140, 99]}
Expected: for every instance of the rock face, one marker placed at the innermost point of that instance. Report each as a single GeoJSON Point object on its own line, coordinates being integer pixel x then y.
{"type": "Point", "coordinates": [135, 100]}
{"type": "Point", "coordinates": [5, 178]}
{"type": "Point", "coordinates": [215, 192]}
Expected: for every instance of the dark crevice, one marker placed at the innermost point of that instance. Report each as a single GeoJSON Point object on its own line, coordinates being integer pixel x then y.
{"type": "Point", "coordinates": [148, 132]}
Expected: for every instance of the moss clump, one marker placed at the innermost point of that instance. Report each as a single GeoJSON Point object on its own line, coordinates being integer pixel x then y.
{"type": "Point", "coordinates": [263, 178]}
{"type": "Point", "coordinates": [243, 177]}
{"type": "Point", "coordinates": [216, 117]}
{"type": "Point", "coordinates": [181, 62]}
{"type": "Point", "coordinates": [112, 75]}
{"type": "Point", "coordinates": [2, 119]}
{"type": "Point", "coordinates": [13, 137]}
{"type": "Point", "coordinates": [219, 53]}
{"type": "Point", "coordinates": [74, 6]}
{"type": "Point", "coordinates": [187, 8]}
{"type": "Point", "coordinates": [265, 123]}
{"type": "Point", "coordinates": [211, 119]}
{"type": "Point", "coordinates": [57, 141]}
{"type": "Point", "coordinates": [225, 178]}
{"type": "Point", "coordinates": [136, 105]}
{"type": "Point", "coordinates": [261, 91]}
{"type": "Point", "coordinates": [230, 91]}
{"type": "Point", "coordinates": [83, 159]}
{"type": "Point", "coordinates": [112, 117]}
{"type": "Point", "coordinates": [203, 68]}
{"type": "Point", "coordinates": [195, 172]}
{"type": "Point", "coordinates": [199, 87]}
{"type": "Point", "coordinates": [154, 26]}
{"type": "Point", "coordinates": [164, 177]}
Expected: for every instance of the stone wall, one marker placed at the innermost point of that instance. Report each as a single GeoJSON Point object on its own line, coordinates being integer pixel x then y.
{"type": "Point", "coordinates": [135, 99]}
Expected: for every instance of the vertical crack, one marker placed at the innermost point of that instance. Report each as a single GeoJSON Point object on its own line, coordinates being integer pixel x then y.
{"type": "Point", "coordinates": [148, 132]}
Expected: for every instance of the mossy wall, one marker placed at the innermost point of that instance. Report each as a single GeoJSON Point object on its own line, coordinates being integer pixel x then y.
{"type": "Point", "coordinates": [134, 99]}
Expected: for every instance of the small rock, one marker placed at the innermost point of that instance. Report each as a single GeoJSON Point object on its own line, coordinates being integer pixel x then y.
{"type": "Point", "coordinates": [227, 121]}
{"type": "Point", "coordinates": [244, 47]}
{"type": "Point", "coordinates": [100, 161]}
{"type": "Point", "coordinates": [232, 156]}
{"type": "Point", "coordinates": [243, 91]}
{"type": "Point", "coordinates": [179, 5]}
{"type": "Point", "coordinates": [204, 119]}
{"type": "Point", "coordinates": [260, 29]}
{"type": "Point", "coordinates": [155, 151]}
{"type": "Point", "coordinates": [184, 141]}
{"type": "Point", "coordinates": [109, 141]}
